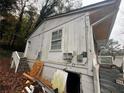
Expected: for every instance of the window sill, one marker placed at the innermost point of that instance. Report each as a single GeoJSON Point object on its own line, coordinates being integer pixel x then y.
{"type": "Point", "coordinates": [56, 50]}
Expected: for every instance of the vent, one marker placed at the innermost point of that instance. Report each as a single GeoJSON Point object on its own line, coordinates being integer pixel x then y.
{"type": "Point", "coordinates": [67, 56]}
{"type": "Point", "coordinates": [81, 56]}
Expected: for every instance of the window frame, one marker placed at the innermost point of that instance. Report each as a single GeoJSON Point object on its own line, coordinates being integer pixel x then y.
{"type": "Point", "coordinates": [57, 38]}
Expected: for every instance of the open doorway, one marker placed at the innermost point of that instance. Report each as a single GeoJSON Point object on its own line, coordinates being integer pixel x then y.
{"type": "Point", "coordinates": [73, 83]}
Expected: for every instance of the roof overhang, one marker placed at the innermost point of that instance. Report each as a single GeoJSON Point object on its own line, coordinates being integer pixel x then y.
{"type": "Point", "coordinates": [102, 17]}
{"type": "Point", "coordinates": [102, 20]}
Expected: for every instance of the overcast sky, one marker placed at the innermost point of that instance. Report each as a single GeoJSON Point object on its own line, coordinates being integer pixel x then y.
{"type": "Point", "coordinates": [118, 29]}
{"type": "Point", "coordinates": [88, 2]}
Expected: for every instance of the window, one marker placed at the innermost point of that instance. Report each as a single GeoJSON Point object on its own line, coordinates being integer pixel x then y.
{"type": "Point", "coordinates": [56, 40]}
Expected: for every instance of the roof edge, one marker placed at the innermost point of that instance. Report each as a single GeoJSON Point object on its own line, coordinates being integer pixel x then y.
{"type": "Point", "coordinates": [80, 10]}
{"type": "Point", "coordinates": [83, 9]}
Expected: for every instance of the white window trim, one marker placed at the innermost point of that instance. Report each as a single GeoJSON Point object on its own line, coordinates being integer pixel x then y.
{"type": "Point", "coordinates": [56, 50]}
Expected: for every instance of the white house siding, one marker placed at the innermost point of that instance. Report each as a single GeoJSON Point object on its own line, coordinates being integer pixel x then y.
{"type": "Point", "coordinates": [52, 23]}
{"type": "Point", "coordinates": [87, 84]}
{"type": "Point", "coordinates": [48, 73]}
{"type": "Point", "coordinates": [34, 47]}
{"type": "Point", "coordinates": [73, 38]}
{"type": "Point", "coordinates": [48, 54]}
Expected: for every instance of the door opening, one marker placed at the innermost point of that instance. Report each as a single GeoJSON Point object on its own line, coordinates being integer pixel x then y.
{"type": "Point", "coordinates": [73, 83]}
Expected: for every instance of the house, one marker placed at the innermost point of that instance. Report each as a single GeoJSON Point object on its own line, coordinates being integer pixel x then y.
{"type": "Point", "coordinates": [71, 42]}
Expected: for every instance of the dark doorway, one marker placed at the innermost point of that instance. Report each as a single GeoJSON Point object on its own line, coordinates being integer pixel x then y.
{"type": "Point", "coordinates": [73, 83]}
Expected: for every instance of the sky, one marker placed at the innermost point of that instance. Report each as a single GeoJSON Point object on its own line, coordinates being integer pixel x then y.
{"type": "Point", "coordinates": [88, 2]}
{"type": "Point", "coordinates": [118, 28]}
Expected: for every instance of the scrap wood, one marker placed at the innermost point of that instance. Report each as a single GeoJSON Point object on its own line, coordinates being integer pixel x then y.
{"type": "Point", "coordinates": [36, 69]}
{"type": "Point", "coordinates": [28, 76]}
{"type": "Point", "coordinates": [35, 73]}
{"type": "Point", "coordinates": [44, 81]}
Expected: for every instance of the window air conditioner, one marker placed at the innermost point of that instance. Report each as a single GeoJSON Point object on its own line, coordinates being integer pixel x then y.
{"type": "Point", "coordinates": [67, 56]}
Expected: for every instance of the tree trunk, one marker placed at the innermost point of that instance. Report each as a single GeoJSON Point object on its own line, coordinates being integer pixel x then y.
{"type": "Point", "coordinates": [18, 26]}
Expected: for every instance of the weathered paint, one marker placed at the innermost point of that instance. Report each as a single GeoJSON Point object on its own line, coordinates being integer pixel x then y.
{"type": "Point", "coordinates": [77, 36]}
{"type": "Point", "coordinates": [73, 40]}
{"type": "Point", "coordinates": [59, 80]}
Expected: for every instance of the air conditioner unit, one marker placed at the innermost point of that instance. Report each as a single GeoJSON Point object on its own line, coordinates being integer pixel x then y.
{"type": "Point", "coordinates": [81, 56]}
{"type": "Point", "coordinates": [67, 56]}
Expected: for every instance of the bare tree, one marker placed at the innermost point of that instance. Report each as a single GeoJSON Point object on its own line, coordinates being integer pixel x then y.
{"type": "Point", "coordinates": [112, 48]}
{"type": "Point", "coordinates": [22, 4]}
{"type": "Point", "coordinates": [53, 7]}
{"type": "Point", "coordinates": [32, 16]}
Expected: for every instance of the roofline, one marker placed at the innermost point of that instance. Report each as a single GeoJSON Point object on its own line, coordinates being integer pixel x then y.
{"type": "Point", "coordinates": [80, 10]}
{"type": "Point", "coordinates": [83, 9]}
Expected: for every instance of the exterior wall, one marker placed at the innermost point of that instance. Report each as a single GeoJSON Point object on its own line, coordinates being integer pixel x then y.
{"type": "Point", "coordinates": [77, 37]}
{"type": "Point", "coordinates": [87, 84]}
{"type": "Point", "coordinates": [53, 23]}
{"type": "Point", "coordinates": [73, 38]}
{"type": "Point", "coordinates": [34, 47]}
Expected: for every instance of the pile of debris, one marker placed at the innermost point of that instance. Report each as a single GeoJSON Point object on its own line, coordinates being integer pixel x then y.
{"type": "Point", "coordinates": [28, 82]}
{"type": "Point", "coordinates": [9, 81]}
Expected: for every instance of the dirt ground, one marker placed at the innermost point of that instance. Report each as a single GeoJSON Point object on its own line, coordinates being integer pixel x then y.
{"type": "Point", "coordinates": [9, 81]}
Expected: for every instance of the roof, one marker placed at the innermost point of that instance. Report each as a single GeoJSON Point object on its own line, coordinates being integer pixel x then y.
{"type": "Point", "coordinates": [102, 17]}
{"type": "Point", "coordinates": [84, 9]}
{"type": "Point", "coordinates": [102, 21]}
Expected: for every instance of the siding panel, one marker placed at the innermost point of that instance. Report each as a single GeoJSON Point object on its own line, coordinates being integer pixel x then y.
{"type": "Point", "coordinates": [73, 38]}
